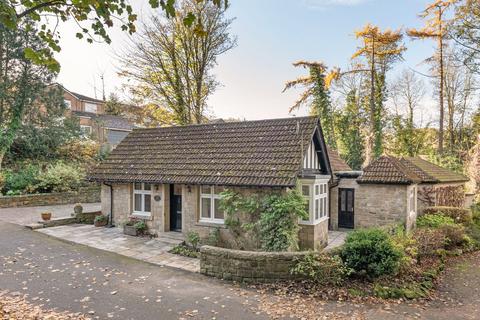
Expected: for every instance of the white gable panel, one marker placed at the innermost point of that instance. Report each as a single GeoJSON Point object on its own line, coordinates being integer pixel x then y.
{"type": "Point", "coordinates": [310, 161]}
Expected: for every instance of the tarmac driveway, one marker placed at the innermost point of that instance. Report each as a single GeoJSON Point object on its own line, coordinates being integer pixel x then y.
{"type": "Point", "coordinates": [28, 215]}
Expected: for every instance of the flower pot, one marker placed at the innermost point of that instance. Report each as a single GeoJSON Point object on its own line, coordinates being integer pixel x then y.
{"type": "Point", "coordinates": [100, 223]}
{"type": "Point", "coordinates": [46, 216]}
{"type": "Point", "coordinates": [77, 209]}
{"type": "Point", "coordinates": [130, 230]}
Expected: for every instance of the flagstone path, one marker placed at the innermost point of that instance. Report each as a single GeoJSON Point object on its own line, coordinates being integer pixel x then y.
{"type": "Point", "coordinates": [153, 251]}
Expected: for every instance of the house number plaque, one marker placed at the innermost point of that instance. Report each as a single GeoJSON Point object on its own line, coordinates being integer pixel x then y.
{"type": "Point", "coordinates": [157, 198]}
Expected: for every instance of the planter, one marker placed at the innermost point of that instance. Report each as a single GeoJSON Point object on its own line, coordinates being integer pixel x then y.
{"type": "Point", "coordinates": [78, 209]}
{"type": "Point", "coordinates": [130, 230]}
{"type": "Point", "coordinates": [46, 216]}
{"type": "Point", "coordinates": [100, 223]}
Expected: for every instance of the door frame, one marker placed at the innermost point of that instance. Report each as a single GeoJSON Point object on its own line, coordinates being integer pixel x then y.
{"type": "Point", "coordinates": [340, 206]}
{"type": "Point", "coordinates": [173, 208]}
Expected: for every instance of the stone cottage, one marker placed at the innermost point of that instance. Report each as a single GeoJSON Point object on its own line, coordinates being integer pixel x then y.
{"type": "Point", "coordinates": [171, 177]}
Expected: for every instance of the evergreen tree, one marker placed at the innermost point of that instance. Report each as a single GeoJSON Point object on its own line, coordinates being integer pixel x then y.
{"type": "Point", "coordinates": [22, 83]}
{"type": "Point", "coordinates": [350, 136]}
{"type": "Point", "coordinates": [317, 96]}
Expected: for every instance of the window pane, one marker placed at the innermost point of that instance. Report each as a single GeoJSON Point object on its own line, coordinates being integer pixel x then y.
{"type": "Point", "coordinates": [342, 200]}
{"type": "Point", "coordinates": [324, 207]}
{"type": "Point", "coordinates": [218, 189]}
{"type": "Point", "coordinates": [206, 207]}
{"type": "Point", "coordinates": [148, 202]}
{"type": "Point", "coordinates": [218, 214]}
{"type": "Point", "coordinates": [138, 186]}
{"type": "Point", "coordinates": [306, 190]}
{"type": "Point", "coordinates": [147, 186]}
{"type": "Point", "coordinates": [138, 202]}
{"type": "Point", "coordinates": [317, 208]}
{"type": "Point", "coordinates": [349, 201]}
{"type": "Point", "coordinates": [206, 189]}
{"type": "Point", "coordinates": [317, 189]}
{"type": "Point", "coordinates": [307, 207]}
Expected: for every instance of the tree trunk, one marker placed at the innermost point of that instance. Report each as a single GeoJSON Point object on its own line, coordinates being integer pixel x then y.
{"type": "Point", "coordinates": [369, 154]}
{"type": "Point", "coordinates": [2, 155]}
{"type": "Point", "coordinates": [442, 111]}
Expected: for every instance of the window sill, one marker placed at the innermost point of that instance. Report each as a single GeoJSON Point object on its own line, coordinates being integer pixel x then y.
{"type": "Point", "coordinates": [308, 223]}
{"type": "Point", "coordinates": [141, 216]}
{"type": "Point", "coordinates": [210, 224]}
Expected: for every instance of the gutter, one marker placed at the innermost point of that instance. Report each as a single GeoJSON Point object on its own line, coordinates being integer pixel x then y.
{"type": "Point", "coordinates": [110, 215]}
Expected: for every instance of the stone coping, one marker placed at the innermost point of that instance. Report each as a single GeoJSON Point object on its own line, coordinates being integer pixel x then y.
{"type": "Point", "coordinates": [90, 194]}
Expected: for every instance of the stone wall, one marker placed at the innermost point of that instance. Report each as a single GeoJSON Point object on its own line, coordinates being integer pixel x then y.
{"type": "Point", "coordinates": [313, 236]}
{"type": "Point", "coordinates": [123, 204]}
{"type": "Point", "coordinates": [374, 204]}
{"type": "Point", "coordinates": [84, 195]}
{"type": "Point", "coordinates": [247, 266]}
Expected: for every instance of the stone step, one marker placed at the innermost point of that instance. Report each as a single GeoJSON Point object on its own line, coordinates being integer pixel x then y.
{"type": "Point", "coordinates": [35, 226]}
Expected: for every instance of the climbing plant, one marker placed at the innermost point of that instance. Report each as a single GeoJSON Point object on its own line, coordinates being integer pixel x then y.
{"type": "Point", "coordinates": [269, 220]}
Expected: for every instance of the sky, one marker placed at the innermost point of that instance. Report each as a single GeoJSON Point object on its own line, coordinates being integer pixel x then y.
{"type": "Point", "coordinates": [272, 34]}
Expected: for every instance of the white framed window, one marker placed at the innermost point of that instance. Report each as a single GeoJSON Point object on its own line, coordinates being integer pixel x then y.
{"type": "Point", "coordinates": [90, 107]}
{"type": "Point", "coordinates": [68, 103]}
{"type": "Point", "coordinates": [315, 193]}
{"type": "Point", "coordinates": [86, 130]}
{"type": "Point", "coordinates": [142, 199]}
{"type": "Point", "coordinates": [210, 204]}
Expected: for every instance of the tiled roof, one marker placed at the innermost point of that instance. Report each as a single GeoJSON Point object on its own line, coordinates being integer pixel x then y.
{"type": "Point", "coordinates": [431, 173]}
{"type": "Point", "coordinates": [106, 120]}
{"type": "Point", "coordinates": [336, 162]}
{"type": "Point", "coordinates": [388, 170]}
{"type": "Point", "coordinates": [86, 98]}
{"type": "Point", "coordinates": [248, 153]}
{"type": "Point", "coordinates": [114, 122]}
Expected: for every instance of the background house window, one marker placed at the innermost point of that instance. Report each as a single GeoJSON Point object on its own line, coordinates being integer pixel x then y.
{"type": "Point", "coordinates": [68, 103]}
{"type": "Point", "coordinates": [142, 199]}
{"type": "Point", "coordinates": [90, 107]}
{"type": "Point", "coordinates": [86, 130]}
{"type": "Point", "coordinates": [210, 204]}
{"type": "Point", "coordinates": [316, 199]}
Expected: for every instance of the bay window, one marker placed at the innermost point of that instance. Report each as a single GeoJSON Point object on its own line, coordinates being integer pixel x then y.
{"type": "Point", "coordinates": [142, 199]}
{"type": "Point", "coordinates": [210, 204]}
{"type": "Point", "coordinates": [315, 194]}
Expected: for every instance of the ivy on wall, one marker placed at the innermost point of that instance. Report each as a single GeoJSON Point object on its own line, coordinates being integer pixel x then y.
{"type": "Point", "coordinates": [268, 222]}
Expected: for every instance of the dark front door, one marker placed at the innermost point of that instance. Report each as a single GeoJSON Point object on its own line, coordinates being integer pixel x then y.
{"type": "Point", "coordinates": [175, 211]}
{"type": "Point", "coordinates": [346, 210]}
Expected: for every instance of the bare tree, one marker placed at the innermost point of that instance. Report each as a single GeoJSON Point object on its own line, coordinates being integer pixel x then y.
{"type": "Point", "coordinates": [408, 91]}
{"type": "Point", "coordinates": [169, 64]}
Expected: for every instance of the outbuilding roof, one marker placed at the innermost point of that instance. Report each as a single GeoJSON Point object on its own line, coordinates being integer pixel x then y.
{"type": "Point", "coordinates": [388, 170]}
{"type": "Point", "coordinates": [432, 173]}
{"type": "Point", "coordinates": [336, 162]}
{"type": "Point", "coordinates": [247, 153]}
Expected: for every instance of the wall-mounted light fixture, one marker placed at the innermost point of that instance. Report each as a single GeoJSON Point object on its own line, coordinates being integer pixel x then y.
{"type": "Point", "coordinates": [157, 187]}
{"type": "Point", "coordinates": [189, 188]}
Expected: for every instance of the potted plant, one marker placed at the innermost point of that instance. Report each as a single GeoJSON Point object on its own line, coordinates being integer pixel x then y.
{"type": "Point", "coordinates": [78, 208]}
{"type": "Point", "coordinates": [134, 227]}
{"type": "Point", "coordinates": [46, 216]}
{"type": "Point", "coordinates": [100, 221]}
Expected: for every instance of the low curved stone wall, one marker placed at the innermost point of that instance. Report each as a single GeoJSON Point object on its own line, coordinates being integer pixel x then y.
{"type": "Point", "coordinates": [83, 195]}
{"type": "Point", "coordinates": [247, 266]}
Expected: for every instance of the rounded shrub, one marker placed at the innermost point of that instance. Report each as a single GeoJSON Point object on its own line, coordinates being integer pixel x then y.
{"type": "Point", "coordinates": [371, 253]}
{"type": "Point", "coordinates": [434, 221]}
